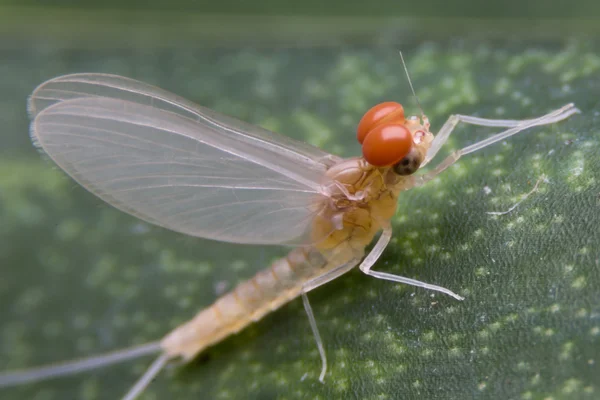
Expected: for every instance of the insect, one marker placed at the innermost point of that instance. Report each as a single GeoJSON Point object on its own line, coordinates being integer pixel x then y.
{"type": "Point", "coordinates": [174, 164]}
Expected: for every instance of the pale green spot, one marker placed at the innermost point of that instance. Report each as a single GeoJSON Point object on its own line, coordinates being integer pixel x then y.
{"type": "Point", "coordinates": [495, 326]}
{"type": "Point", "coordinates": [589, 390]}
{"type": "Point", "coordinates": [549, 332]}
{"type": "Point", "coordinates": [527, 395]}
{"type": "Point", "coordinates": [82, 321]}
{"type": "Point", "coordinates": [571, 386]}
{"type": "Point", "coordinates": [31, 299]}
{"type": "Point", "coordinates": [341, 385]}
{"type": "Point", "coordinates": [566, 351]}
{"type": "Point", "coordinates": [568, 269]}
{"type": "Point", "coordinates": [511, 318]}
{"type": "Point", "coordinates": [532, 310]}
{"type": "Point", "coordinates": [483, 334]}
{"type": "Point", "coordinates": [432, 249]}
{"type": "Point", "coordinates": [523, 366]}
{"type": "Point", "coordinates": [185, 302]}
{"type": "Point", "coordinates": [170, 291]}
{"type": "Point", "coordinates": [451, 310]}
{"type": "Point", "coordinates": [579, 282]}
{"type": "Point", "coordinates": [455, 352]}
{"type": "Point", "coordinates": [501, 87]}
{"type": "Point", "coordinates": [90, 389]}
{"type": "Point", "coordinates": [367, 337]}
{"type": "Point", "coordinates": [69, 229]}
{"type": "Point", "coordinates": [85, 344]}
{"type": "Point", "coordinates": [455, 337]}
{"type": "Point", "coordinates": [239, 265]}
{"type": "Point", "coordinates": [554, 308]}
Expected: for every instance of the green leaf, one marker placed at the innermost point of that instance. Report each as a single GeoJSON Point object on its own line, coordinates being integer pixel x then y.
{"type": "Point", "coordinates": [80, 278]}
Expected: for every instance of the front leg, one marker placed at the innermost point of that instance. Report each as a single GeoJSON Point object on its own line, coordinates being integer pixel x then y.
{"type": "Point", "coordinates": [555, 116]}
{"type": "Point", "coordinates": [372, 257]}
{"type": "Point", "coordinates": [517, 125]}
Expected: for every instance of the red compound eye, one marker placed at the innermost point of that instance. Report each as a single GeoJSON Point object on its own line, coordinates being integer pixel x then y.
{"type": "Point", "coordinates": [384, 138]}
{"type": "Point", "coordinates": [383, 112]}
{"type": "Point", "coordinates": [387, 144]}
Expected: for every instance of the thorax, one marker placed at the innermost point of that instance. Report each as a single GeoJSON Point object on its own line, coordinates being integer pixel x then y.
{"type": "Point", "coordinates": [362, 199]}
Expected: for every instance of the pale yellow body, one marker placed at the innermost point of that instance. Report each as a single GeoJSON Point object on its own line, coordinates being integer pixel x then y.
{"type": "Point", "coordinates": [375, 194]}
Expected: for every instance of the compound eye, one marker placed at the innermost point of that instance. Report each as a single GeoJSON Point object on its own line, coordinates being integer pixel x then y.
{"type": "Point", "coordinates": [387, 144]}
{"type": "Point", "coordinates": [381, 113]}
{"type": "Point", "coordinates": [409, 164]}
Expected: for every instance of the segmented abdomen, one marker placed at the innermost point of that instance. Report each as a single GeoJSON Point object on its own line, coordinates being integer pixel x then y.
{"type": "Point", "coordinates": [248, 302]}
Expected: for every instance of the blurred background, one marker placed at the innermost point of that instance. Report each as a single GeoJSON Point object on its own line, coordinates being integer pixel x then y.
{"type": "Point", "coordinates": [79, 278]}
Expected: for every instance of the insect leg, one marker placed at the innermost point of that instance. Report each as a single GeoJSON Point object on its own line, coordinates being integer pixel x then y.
{"type": "Point", "coordinates": [549, 118]}
{"type": "Point", "coordinates": [453, 120]}
{"type": "Point", "coordinates": [145, 380]}
{"type": "Point", "coordinates": [381, 244]}
{"type": "Point", "coordinates": [312, 284]}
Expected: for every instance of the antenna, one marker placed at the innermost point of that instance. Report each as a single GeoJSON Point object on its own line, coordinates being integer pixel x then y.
{"type": "Point", "coordinates": [411, 85]}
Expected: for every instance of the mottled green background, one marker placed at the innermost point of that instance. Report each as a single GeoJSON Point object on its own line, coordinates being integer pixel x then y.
{"type": "Point", "coordinates": [79, 278]}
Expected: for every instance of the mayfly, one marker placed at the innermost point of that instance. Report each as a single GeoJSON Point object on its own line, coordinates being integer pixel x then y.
{"type": "Point", "coordinates": [174, 164]}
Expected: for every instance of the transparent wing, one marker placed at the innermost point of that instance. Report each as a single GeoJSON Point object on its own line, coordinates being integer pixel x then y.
{"type": "Point", "coordinates": [177, 165]}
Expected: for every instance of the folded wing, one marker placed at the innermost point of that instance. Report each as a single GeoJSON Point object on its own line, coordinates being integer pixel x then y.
{"type": "Point", "coordinates": [174, 164]}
